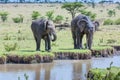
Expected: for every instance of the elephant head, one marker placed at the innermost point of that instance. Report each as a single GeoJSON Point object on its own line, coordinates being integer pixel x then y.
{"type": "Point", "coordinates": [49, 27]}
{"type": "Point", "coordinates": [85, 23]}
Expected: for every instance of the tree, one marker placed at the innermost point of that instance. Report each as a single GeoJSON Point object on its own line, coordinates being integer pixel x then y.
{"type": "Point", "coordinates": [73, 8]}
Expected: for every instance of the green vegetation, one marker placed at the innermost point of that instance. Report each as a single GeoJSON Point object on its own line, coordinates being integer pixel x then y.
{"type": "Point", "coordinates": [108, 22]}
{"type": "Point", "coordinates": [117, 22]}
{"type": "Point", "coordinates": [111, 73]}
{"type": "Point", "coordinates": [58, 19]}
{"type": "Point", "coordinates": [50, 15]}
{"type": "Point", "coordinates": [72, 8]}
{"type": "Point", "coordinates": [35, 15]}
{"type": "Point", "coordinates": [22, 35]}
{"type": "Point", "coordinates": [18, 19]}
{"type": "Point", "coordinates": [26, 77]}
{"type": "Point", "coordinates": [102, 47]}
{"type": "Point", "coordinates": [111, 13]}
{"type": "Point", "coordinates": [4, 16]}
{"type": "Point", "coordinates": [10, 46]}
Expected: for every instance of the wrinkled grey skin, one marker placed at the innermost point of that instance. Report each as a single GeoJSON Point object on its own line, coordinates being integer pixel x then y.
{"type": "Point", "coordinates": [81, 25]}
{"type": "Point", "coordinates": [43, 29]}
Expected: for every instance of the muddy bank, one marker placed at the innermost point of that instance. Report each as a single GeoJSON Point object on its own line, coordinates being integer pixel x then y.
{"type": "Point", "coordinates": [28, 58]}
{"type": "Point", "coordinates": [103, 52]}
{"type": "Point", "coordinates": [117, 48]}
{"type": "Point", "coordinates": [72, 55]}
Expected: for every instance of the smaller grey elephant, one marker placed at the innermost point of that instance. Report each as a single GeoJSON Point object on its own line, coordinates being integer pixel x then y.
{"type": "Point", "coordinates": [43, 29]}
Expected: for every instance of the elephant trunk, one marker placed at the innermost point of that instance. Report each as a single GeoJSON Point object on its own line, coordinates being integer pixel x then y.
{"type": "Point", "coordinates": [54, 36]}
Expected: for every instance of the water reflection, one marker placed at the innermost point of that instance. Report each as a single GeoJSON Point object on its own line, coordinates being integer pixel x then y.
{"type": "Point", "coordinates": [58, 70]}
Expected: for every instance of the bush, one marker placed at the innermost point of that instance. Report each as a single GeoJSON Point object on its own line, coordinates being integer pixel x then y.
{"type": "Point", "coordinates": [18, 19]}
{"type": "Point", "coordinates": [111, 13]}
{"type": "Point", "coordinates": [7, 37]}
{"type": "Point", "coordinates": [110, 41]}
{"type": "Point", "coordinates": [10, 46]}
{"type": "Point", "coordinates": [108, 22]}
{"type": "Point", "coordinates": [117, 22]}
{"type": "Point", "coordinates": [58, 19]}
{"type": "Point", "coordinates": [35, 15]}
{"type": "Point", "coordinates": [21, 18]}
{"type": "Point", "coordinates": [4, 16]}
{"type": "Point", "coordinates": [49, 15]}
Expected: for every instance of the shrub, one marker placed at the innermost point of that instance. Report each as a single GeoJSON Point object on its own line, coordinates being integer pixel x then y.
{"type": "Point", "coordinates": [117, 22]}
{"type": "Point", "coordinates": [18, 19]}
{"type": "Point", "coordinates": [7, 37]}
{"type": "Point", "coordinates": [4, 16]}
{"type": "Point", "coordinates": [49, 15]}
{"type": "Point", "coordinates": [111, 13]}
{"type": "Point", "coordinates": [58, 19]}
{"type": "Point", "coordinates": [10, 46]}
{"type": "Point", "coordinates": [21, 18]}
{"type": "Point", "coordinates": [35, 15]}
{"type": "Point", "coordinates": [108, 22]}
{"type": "Point", "coordinates": [109, 41]}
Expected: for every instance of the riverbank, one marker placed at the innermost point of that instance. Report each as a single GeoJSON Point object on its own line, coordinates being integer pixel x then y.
{"type": "Point", "coordinates": [43, 57]}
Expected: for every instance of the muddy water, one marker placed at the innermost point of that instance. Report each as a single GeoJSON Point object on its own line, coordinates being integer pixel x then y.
{"type": "Point", "coordinates": [58, 70]}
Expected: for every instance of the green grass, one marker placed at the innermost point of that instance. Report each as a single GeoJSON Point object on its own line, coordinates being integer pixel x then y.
{"type": "Point", "coordinates": [27, 53]}
{"type": "Point", "coordinates": [103, 72]}
{"type": "Point", "coordinates": [102, 47]}
{"type": "Point", "coordinates": [64, 41]}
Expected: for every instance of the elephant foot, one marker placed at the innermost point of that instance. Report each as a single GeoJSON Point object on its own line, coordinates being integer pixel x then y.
{"type": "Point", "coordinates": [88, 48]}
{"type": "Point", "coordinates": [37, 49]}
{"type": "Point", "coordinates": [49, 50]}
{"type": "Point", "coordinates": [78, 47]}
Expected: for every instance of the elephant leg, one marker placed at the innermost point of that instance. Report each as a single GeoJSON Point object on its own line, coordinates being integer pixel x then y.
{"type": "Point", "coordinates": [81, 37]}
{"type": "Point", "coordinates": [74, 39]}
{"type": "Point", "coordinates": [89, 38]}
{"type": "Point", "coordinates": [87, 41]}
{"type": "Point", "coordinates": [47, 43]}
{"type": "Point", "coordinates": [78, 40]}
{"type": "Point", "coordinates": [38, 42]}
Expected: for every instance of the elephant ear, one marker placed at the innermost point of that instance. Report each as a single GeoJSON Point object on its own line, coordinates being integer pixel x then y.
{"type": "Point", "coordinates": [79, 24]}
{"type": "Point", "coordinates": [96, 23]}
{"type": "Point", "coordinates": [45, 24]}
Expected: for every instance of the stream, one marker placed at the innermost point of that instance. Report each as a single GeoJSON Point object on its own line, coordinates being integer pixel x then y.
{"type": "Point", "coordinates": [57, 70]}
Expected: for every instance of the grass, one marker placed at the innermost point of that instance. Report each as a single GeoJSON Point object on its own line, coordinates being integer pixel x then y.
{"type": "Point", "coordinates": [103, 72]}
{"type": "Point", "coordinates": [64, 41]}
{"type": "Point", "coordinates": [102, 47]}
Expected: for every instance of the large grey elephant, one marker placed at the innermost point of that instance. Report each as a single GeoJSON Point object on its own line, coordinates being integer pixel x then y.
{"type": "Point", "coordinates": [43, 29]}
{"type": "Point", "coordinates": [81, 25]}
